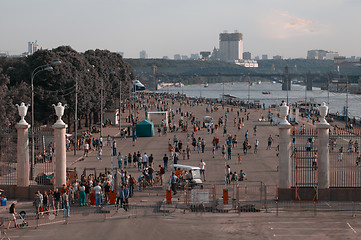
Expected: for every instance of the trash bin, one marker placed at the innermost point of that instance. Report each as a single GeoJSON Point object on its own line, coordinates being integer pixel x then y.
{"type": "Point", "coordinates": [3, 202]}
{"type": "Point", "coordinates": [112, 197]}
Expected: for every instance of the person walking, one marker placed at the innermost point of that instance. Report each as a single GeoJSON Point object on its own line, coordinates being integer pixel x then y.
{"type": "Point", "coordinates": [86, 149]}
{"type": "Point", "coordinates": [121, 197]}
{"type": "Point", "coordinates": [174, 180]}
{"type": "Point", "coordinates": [269, 142]}
{"type": "Point", "coordinates": [144, 161]}
{"type": "Point", "coordinates": [114, 147]}
{"type": "Point", "coordinates": [38, 203]}
{"type": "Point", "coordinates": [188, 150]}
{"type": "Point", "coordinates": [256, 143]}
{"type": "Point", "coordinates": [82, 195]}
{"type": "Point", "coordinates": [65, 203]}
{"type": "Point", "coordinates": [139, 161]}
{"type": "Point", "coordinates": [131, 185]}
{"type": "Point", "coordinates": [57, 201]}
{"type": "Point", "coordinates": [120, 158]}
{"type": "Point", "coordinates": [161, 174]}
{"type": "Point", "coordinates": [203, 169]}
{"type": "Point", "coordinates": [100, 153]}
{"type": "Point", "coordinates": [150, 160]}
{"type": "Point", "coordinates": [126, 195]}
{"type": "Point", "coordinates": [228, 175]}
{"type": "Point", "coordinates": [165, 161]}
{"type": "Point", "coordinates": [98, 194]}
{"type": "Point", "coordinates": [13, 216]}
{"type": "Point", "coordinates": [203, 145]}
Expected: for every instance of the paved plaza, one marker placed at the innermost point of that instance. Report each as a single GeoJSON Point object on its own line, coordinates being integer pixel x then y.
{"type": "Point", "coordinates": [144, 220]}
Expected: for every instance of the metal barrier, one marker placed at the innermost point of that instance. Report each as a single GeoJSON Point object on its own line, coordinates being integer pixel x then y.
{"type": "Point", "coordinates": [239, 196]}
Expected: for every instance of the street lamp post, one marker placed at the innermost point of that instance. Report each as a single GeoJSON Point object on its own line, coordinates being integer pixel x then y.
{"type": "Point", "coordinates": [46, 67]}
{"type": "Point", "coordinates": [76, 111]}
{"type": "Point", "coordinates": [120, 98]}
{"type": "Point", "coordinates": [76, 117]}
{"type": "Point", "coordinates": [101, 106]}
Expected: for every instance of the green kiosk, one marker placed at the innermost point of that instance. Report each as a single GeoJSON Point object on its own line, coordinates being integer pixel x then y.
{"type": "Point", "coordinates": [145, 129]}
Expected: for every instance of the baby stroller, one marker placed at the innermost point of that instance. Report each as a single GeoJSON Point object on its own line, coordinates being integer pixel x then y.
{"type": "Point", "coordinates": [20, 221]}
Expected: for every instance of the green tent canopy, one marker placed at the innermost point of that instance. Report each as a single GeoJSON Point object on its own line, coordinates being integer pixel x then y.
{"type": "Point", "coordinates": [145, 129]}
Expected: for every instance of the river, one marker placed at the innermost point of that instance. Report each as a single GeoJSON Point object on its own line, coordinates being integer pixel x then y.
{"type": "Point", "coordinates": [243, 91]}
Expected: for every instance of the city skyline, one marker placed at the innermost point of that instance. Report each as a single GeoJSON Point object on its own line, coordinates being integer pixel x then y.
{"type": "Point", "coordinates": [164, 28]}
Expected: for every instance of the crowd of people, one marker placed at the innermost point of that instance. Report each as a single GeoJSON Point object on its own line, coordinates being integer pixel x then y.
{"type": "Point", "coordinates": [181, 147]}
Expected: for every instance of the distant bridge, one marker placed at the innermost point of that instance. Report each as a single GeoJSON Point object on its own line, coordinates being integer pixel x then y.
{"type": "Point", "coordinates": [285, 78]}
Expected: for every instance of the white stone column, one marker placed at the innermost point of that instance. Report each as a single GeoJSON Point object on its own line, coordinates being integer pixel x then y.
{"type": "Point", "coordinates": [60, 147]}
{"type": "Point", "coordinates": [285, 171]}
{"type": "Point", "coordinates": [323, 149]}
{"type": "Point", "coordinates": [22, 155]}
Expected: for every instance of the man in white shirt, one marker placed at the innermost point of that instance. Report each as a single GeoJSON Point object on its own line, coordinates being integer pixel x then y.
{"type": "Point", "coordinates": [203, 169]}
{"type": "Point", "coordinates": [144, 160]}
{"type": "Point", "coordinates": [98, 194]}
{"type": "Point", "coordinates": [86, 149]}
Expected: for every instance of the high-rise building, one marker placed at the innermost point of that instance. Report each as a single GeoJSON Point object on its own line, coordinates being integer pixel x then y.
{"type": "Point", "coordinates": [143, 54]}
{"type": "Point", "coordinates": [33, 47]}
{"type": "Point", "coordinates": [277, 57]}
{"type": "Point", "coordinates": [264, 57]}
{"type": "Point", "coordinates": [177, 57]}
{"type": "Point", "coordinates": [331, 55]}
{"type": "Point", "coordinates": [316, 54]}
{"type": "Point", "coordinates": [230, 46]}
{"type": "Point", "coordinates": [194, 56]}
{"type": "Point", "coordinates": [247, 56]}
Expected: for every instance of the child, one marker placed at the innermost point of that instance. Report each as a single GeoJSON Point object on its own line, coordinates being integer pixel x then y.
{"type": "Point", "coordinates": [184, 154]}
{"type": "Point", "coordinates": [239, 158]}
{"type": "Point", "coordinates": [213, 151]}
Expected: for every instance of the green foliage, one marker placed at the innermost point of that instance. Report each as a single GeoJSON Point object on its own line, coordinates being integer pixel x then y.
{"type": "Point", "coordinates": [58, 85]}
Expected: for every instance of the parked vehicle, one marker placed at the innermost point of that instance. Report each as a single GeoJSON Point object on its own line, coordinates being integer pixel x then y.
{"type": "Point", "coordinates": [190, 175]}
{"type": "Point", "coordinates": [208, 121]}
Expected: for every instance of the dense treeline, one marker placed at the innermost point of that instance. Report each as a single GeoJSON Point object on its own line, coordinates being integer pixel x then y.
{"type": "Point", "coordinates": [58, 85]}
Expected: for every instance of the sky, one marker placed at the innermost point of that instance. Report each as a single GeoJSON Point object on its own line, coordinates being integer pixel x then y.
{"type": "Point", "coordinates": [166, 27]}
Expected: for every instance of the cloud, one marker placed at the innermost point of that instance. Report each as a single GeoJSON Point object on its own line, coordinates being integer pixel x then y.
{"type": "Point", "coordinates": [282, 25]}
{"type": "Point", "coordinates": [297, 23]}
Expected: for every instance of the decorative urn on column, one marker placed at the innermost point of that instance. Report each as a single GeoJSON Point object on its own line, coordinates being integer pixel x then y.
{"type": "Point", "coordinates": [59, 111]}
{"type": "Point", "coordinates": [283, 113]}
{"type": "Point", "coordinates": [323, 109]}
{"type": "Point", "coordinates": [23, 110]}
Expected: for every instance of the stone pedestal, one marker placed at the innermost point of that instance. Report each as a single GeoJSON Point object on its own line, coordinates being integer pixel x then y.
{"type": "Point", "coordinates": [323, 156]}
{"type": "Point", "coordinates": [60, 153]}
{"type": "Point", "coordinates": [22, 155]}
{"type": "Point", "coordinates": [60, 146]}
{"type": "Point", "coordinates": [285, 171]}
{"type": "Point", "coordinates": [323, 149]}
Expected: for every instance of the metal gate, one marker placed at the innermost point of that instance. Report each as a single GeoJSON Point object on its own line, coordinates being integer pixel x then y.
{"type": "Point", "coordinates": [304, 161]}
{"type": "Point", "coordinates": [43, 159]}
{"type": "Point", "coordinates": [345, 157]}
{"type": "Point", "coordinates": [8, 140]}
